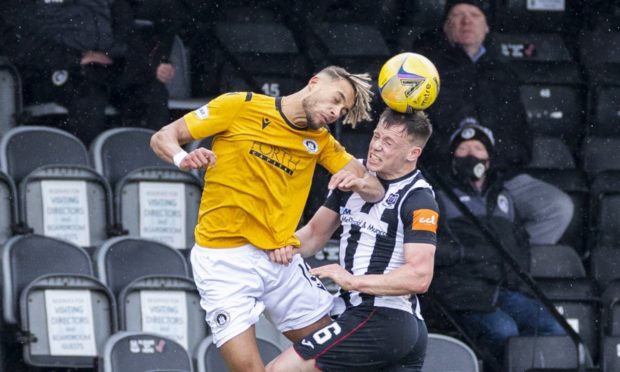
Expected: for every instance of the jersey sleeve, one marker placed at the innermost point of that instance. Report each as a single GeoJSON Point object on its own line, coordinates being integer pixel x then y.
{"type": "Point", "coordinates": [215, 116]}
{"type": "Point", "coordinates": [334, 200]}
{"type": "Point", "coordinates": [334, 157]}
{"type": "Point", "coordinates": [420, 216]}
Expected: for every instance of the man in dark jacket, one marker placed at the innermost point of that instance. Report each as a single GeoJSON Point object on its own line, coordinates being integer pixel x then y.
{"type": "Point", "coordinates": [84, 54]}
{"type": "Point", "coordinates": [475, 85]}
{"type": "Point", "coordinates": [471, 277]}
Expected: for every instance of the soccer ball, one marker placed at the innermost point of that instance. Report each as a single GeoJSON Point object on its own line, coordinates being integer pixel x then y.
{"type": "Point", "coordinates": [408, 81]}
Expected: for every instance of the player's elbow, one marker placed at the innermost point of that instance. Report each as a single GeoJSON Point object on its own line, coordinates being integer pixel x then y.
{"type": "Point", "coordinates": [420, 282]}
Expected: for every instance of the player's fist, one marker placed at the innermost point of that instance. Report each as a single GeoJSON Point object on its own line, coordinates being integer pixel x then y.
{"type": "Point", "coordinates": [201, 158]}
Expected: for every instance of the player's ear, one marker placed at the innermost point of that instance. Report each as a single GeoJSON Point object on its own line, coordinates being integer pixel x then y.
{"type": "Point", "coordinates": [313, 82]}
{"type": "Point", "coordinates": [414, 153]}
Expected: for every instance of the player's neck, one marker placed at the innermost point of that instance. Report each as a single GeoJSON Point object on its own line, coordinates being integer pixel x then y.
{"type": "Point", "coordinates": [293, 109]}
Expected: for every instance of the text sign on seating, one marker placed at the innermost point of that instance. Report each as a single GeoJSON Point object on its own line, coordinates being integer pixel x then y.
{"type": "Point", "coordinates": [70, 326]}
{"type": "Point", "coordinates": [162, 212]}
{"type": "Point", "coordinates": [65, 211]}
{"type": "Point", "coordinates": [165, 313]}
{"type": "Point", "coordinates": [546, 5]}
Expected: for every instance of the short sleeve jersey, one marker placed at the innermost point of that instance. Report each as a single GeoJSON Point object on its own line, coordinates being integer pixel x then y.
{"type": "Point", "coordinates": [374, 234]}
{"type": "Point", "coordinates": [258, 188]}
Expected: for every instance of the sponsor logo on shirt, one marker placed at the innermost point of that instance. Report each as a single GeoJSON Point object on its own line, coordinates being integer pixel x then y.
{"type": "Point", "coordinates": [202, 112]}
{"type": "Point", "coordinates": [425, 219]}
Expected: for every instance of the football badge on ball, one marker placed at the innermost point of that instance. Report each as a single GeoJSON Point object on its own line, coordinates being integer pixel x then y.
{"type": "Point", "coordinates": [408, 81]}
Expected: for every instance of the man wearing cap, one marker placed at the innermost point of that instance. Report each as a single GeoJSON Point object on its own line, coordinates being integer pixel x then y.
{"type": "Point", "coordinates": [476, 85]}
{"type": "Point", "coordinates": [471, 278]}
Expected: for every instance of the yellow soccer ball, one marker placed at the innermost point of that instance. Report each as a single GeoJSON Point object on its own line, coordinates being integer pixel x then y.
{"type": "Point", "coordinates": [408, 81]}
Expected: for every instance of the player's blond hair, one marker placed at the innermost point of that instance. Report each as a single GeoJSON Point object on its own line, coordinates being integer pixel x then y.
{"type": "Point", "coordinates": [363, 95]}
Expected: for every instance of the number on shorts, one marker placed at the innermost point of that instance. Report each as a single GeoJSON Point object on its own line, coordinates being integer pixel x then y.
{"type": "Point", "coordinates": [323, 335]}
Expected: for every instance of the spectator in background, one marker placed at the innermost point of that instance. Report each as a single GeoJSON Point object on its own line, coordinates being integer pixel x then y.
{"type": "Point", "coordinates": [475, 86]}
{"type": "Point", "coordinates": [84, 54]}
{"type": "Point", "coordinates": [471, 277]}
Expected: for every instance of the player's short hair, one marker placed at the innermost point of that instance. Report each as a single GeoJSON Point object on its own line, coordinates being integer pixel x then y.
{"type": "Point", "coordinates": [363, 95]}
{"type": "Point", "coordinates": [417, 124]}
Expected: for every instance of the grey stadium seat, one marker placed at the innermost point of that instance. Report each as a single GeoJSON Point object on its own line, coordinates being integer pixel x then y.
{"type": "Point", "coordinates": [527, 353]}
{"type": "Point", "coordinates": [159, 203]}
{"type": "Point", "coordinates": [261, 57]}
{"type": "Point", "coordinates": [165, 305]}
{"type": "Point", "coordinates": [24, 149]}
{"type": "Point", "coordinates": [445, 353]}
{"type": "Point", "coordinates": [118, 151]}
{"type": "Point", "coordinates": [209, 358]}
{"type": "Point", "coordinates": [27, 257]}
{"type": "Point", "coordinates": [67, 202]}
{"type": "Point", "coordinates": [551, 153]}
{"type": "Point", "coordinates": [10, 95]}
{"type": "Point", "coordinates": [50, 301]}
{"type": "Point", "coordinates": [120, 261]}
{"type": "Point", "coordinates": [556, 261]}
{"type": "Point", "coordinates": [8, 207]}
{"type": "Point", "coordinates": [143, 352]}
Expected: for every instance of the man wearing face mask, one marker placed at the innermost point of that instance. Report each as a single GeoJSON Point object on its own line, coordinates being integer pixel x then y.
{"type": "Point", "coordinates": [471, 278]}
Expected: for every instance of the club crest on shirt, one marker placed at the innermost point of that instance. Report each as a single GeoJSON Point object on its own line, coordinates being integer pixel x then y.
{"type": "Point", "coordinates": [220, 319]}
{"type": "Point", "coordinates": [502, 203]}
{"type": "Point", "coordinates": [311, 146]}
{"type": "Point", "coordinates": [391, 200]}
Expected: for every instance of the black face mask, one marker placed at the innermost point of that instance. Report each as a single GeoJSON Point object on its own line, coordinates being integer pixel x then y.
{"type": "Point", "coordinates": [470, 167]}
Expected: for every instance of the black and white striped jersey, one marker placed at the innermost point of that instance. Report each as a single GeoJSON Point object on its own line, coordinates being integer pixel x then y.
{"type": "Point", "coordinates": [374, 233]}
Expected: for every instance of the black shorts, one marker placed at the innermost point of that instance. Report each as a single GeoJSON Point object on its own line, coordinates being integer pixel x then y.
{"type": "Point", "coordinates": [368, 339]}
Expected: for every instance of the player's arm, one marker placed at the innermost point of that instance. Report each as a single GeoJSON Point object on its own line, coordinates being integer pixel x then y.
{"type": "Point", "coordinates": [166, 143]}
{"type": "Point", "coordinates": [413, 277]}
{"type": "Point", "coordinates": [313, 236]}
{"type": "Point", "coordinates": [354, 177]}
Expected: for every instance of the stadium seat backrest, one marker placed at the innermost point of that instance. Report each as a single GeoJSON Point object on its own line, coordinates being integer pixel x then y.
{"type": "Point", "coordinates": [522, 15]}
{"type": "Point", "coordinates": [68, 202]}
{"type": "Point", "coordinates": [605, 209]}
{"type": "Point", "coordinates": [159, 203]}
{"type": "Point", "coordinates": [166, 305]}
{"type": "Point", "coordinates": [263, 57]}
{"type": "Point", "coordinates": [118, 151]}
{"type": "Point", "coordinates": [179, 86]}
{"type": "Point", "coordinates": [121, 260]}
{"type": "Point", "coordinates": [524, 353]}
{"type": "Point", "coordinates": [579, 302]}
{"type": "Point", "coordinates": [27, 257]}
{"type": "Point", "coordinates": [49, 306]}
{"type": "Point", "coordinates": [8, 206]}
{"type": "Point", "coordinates": [610, 311]}
{"type": "Point", "coordinates": [209, 358]}
{"type": "Point", "coordinates": [10, 95]}
{"type": "Point", "coordinates": [24, 149]}
{"type": "Point", "coordinates": [606, 113]}
{"type": "Point", "coordinates": [610, 358]}
{"type": "Point", "coordinates": [445, 353]}
{"type": "Point", "coordinates": [600, 154]}
{"type": "Point", "coordinates": [556, 261]}
{"type": "Point", "coordinates": [551, 153]}
{"type": "Point", "coordinates": [140, 352]}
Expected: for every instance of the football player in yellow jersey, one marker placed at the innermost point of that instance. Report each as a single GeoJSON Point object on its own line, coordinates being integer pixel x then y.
{"type": "Point", "coordinates": [267, 149]}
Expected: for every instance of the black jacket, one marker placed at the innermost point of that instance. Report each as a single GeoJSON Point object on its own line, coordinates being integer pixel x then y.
{"type": "Point", "coordinates": [487, 90]}
{"type": "Point", "coordinates": [469, 270]}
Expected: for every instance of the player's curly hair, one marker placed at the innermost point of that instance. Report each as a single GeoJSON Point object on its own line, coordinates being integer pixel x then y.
{"type": "Point", "coordinates": [363, 95]}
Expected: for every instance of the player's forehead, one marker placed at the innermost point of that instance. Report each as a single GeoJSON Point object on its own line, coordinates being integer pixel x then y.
{"type": "Point", "coordinates": [343, 89]}
{"type": "Point", "coordinates": [395, 130]}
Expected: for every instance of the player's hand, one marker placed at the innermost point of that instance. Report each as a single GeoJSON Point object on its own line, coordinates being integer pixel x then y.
{"type": "Point", "coordinates": [165, 72]}
{"type": "Point", "coordinates": [283, 256]}
{"type": "Point", "coordinates": [201, 158]}
{"type": "Point", "coordinates": [346, 181]}
{"type": "Point", "coordinates": [336, 273]}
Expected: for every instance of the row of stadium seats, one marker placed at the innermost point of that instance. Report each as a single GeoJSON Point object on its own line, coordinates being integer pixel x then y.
{"type": "Point", "coordinates": [120, 186]}
{"type": "Point", "coordinates": [64, 312]}
{"type": "Point", "coordinates": [142, 286]}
